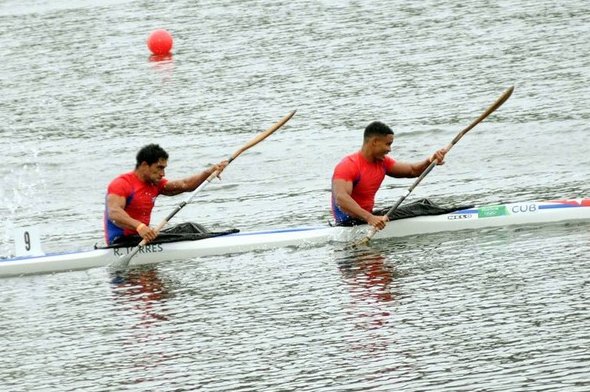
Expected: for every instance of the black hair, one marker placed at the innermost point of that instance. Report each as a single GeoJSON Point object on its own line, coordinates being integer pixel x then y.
{"type": "Point", "coordinates": [150, 154]}
{"type": "Point", "coordinates": [377, 128]}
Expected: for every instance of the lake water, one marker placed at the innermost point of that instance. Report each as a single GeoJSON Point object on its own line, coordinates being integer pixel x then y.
{"type": "Point", "coordinates": [491, 310]}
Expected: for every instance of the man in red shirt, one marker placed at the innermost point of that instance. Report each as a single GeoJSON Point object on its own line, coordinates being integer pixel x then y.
{"type": "Point", "coordinates": [131, 196]}
{"type": "Point", "coordinates": [358, 176]}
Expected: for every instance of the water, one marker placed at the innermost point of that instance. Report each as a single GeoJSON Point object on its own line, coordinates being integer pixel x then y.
{"type": "Point", "coordinates": [490, 310]}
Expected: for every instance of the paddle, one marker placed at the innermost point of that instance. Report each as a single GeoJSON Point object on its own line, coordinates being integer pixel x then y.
{"type": "Point", "coordinates": [123, 262]}
{"type": "Point", "coordinates": [488, 111]}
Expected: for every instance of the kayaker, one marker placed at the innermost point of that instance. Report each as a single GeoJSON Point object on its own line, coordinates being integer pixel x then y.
{"type": "Point", "coordinates": [131, 196]}
{"type": "Point", "coordinates": [358, 176]}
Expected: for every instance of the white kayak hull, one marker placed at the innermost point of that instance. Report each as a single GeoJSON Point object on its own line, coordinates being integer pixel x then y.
{"type": "Point", "coordinates": [525, 213]}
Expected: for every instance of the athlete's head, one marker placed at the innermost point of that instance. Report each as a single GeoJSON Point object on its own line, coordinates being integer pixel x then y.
{"type": "Point", "coordinates": [377, 140]}
{"type": "Point", "coordinates": [150, 154]}
{"type": "Point", "coordinates": [376, 128]}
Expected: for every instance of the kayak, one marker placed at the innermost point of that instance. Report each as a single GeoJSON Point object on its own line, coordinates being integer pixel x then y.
{"type": "Point", "coordinates": [487, 216]}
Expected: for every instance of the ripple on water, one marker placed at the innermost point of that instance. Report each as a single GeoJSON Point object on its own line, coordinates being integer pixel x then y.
{"type": "Point", "coordinates": [500, 309]}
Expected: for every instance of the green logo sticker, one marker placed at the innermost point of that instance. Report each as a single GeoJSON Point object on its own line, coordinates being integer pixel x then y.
{"type": "Point", "coordinates": [491, 211]}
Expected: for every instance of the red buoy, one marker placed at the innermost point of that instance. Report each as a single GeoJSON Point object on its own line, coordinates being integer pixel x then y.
{"type": "Point", "coordinates": [160, 42]}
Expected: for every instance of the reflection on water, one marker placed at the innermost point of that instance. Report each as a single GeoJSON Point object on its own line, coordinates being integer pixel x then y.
{"type": "Point", "coordinates": [370, 279]}
{"type": "Point", "coordinates": [504, 310]}
{"type": "Point", "coordinates": [143, 291]}
{"type": "Point", "coordinates": [367, 274]}
{"type": "Point", "coordinates": [163, 65]}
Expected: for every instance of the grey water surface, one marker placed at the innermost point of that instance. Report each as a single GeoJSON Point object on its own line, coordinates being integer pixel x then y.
{"type": "Point", "coordinates": [490, 310]}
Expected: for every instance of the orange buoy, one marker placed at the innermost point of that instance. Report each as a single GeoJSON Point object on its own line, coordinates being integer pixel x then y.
{"type": "Point", "coordinates": [160, 42]}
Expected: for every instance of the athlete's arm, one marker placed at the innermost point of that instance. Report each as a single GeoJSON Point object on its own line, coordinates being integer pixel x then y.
{"type": "Point", "coordinates": [342, 194]}
{"type": "Point", "coordinates": [410, 170]}
{"type": "Point", "coordinates": [189, 184]}
{"type": "Point", "coordinates": [117, 215]}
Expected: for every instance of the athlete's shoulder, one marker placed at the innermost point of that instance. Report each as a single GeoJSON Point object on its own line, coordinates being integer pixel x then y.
{"type": "Point", "coordinates": [122, 182]}
{"type": "Point", "coordinates": [389, 161]}
{"type": "Point", "coordinates": [125, 177]}
{"type": "Point", "coordinates": [353, 158]}
{"type": "Point", "coordinates": [348, 168]}
{"type": "Point", "coordinates": [388, 164]}
{"type": "Point", "coordinates": [162, 184]}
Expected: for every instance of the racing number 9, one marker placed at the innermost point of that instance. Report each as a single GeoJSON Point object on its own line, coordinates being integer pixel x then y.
{"type": "Point", "coordinates": [27, 241]}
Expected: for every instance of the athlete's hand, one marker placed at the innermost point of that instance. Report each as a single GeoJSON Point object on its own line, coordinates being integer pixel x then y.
{"type": "Point", "coordinates": [146, 232]}
{"type": "Point", "coordinates": [219, 167]}
{"type": "Point", "coordinates": [378, 222]}
{"type": "Point", "coordinates": [439, 156]}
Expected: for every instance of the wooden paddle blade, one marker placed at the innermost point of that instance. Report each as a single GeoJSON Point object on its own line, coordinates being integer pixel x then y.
{"type": "Point", "coordinates": [503, 98]}
{"type": "Point", "coordinates": [260, 137]}
{"type": "Point", "coordinates": [363, 241]}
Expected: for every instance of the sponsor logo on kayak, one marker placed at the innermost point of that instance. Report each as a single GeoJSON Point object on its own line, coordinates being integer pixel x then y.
{"type": "Point", "coordinates": [492, 211]}
{"type": "Point", "coordinates": [460, 216]}
{"type": "Point", "coordinates": [155, 248]}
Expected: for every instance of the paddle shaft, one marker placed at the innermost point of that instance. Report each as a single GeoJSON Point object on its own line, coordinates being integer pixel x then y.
{"type": "Point", "coordinates": [124, 261]}
{"type": "Point", "coordinates": [505, 95]}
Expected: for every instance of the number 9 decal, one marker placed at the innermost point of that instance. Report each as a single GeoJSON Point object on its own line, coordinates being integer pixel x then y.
{"type": "Point", "coordinates": [27, 241]}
